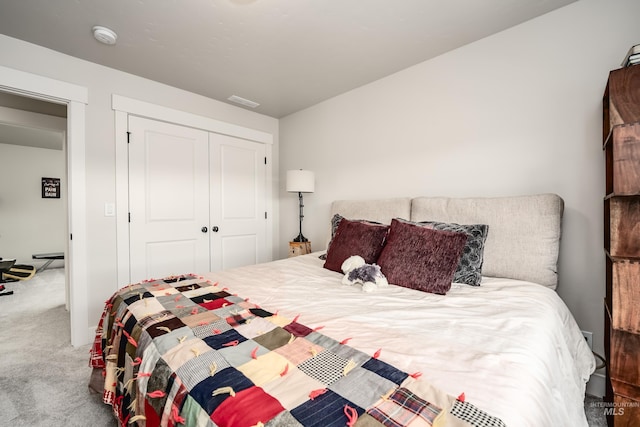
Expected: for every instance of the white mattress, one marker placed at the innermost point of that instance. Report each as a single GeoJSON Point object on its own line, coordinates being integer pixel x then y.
{"type": "Point", "coordinates": [511, 346]}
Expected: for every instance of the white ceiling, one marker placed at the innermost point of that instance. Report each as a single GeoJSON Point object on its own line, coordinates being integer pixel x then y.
{"type": "Point", "coordinates": [32, 123]}
{"type": "Point", "coordinates": [31, 137]}
{"type": "Point", "coordinates": [284, 54]}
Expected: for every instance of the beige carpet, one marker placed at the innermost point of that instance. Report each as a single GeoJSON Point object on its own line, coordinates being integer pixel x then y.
{"type": "Point", "coordinates": [43, 380]}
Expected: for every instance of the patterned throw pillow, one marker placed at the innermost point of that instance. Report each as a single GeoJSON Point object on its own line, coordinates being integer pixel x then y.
{"type": "Point", "coordinates": [420, 257]}
{"type": "Point", "coordinates": [335, 222]}
{"type": "Point", "coordinates": [355, 238]}
{"type": "Point", "coordinates": [469, 268]}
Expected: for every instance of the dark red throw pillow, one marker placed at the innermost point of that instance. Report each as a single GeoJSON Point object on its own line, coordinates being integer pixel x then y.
{"type": "Point", "coordinates": [355, 238]}
{"type": "Point", "coordinates": [421, 258]}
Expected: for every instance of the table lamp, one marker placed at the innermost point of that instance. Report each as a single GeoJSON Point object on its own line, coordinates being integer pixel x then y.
{"type": "Point", "coordinates": [300, 181]}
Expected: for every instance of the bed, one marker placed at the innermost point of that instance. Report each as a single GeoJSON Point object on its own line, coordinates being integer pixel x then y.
{"type": "Point", "coordinates": [242, 347]}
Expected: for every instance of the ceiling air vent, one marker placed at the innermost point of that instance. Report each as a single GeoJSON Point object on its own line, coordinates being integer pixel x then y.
{"type": "Point", "coordinates": [246, 102]}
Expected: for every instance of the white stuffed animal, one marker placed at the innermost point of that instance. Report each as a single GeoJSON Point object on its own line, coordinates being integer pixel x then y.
{"type": "Point", "coordinates": [357, 271]}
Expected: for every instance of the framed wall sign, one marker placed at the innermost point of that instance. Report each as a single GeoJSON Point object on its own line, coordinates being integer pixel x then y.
{"type": "Point", "coordinates": [50, 188]}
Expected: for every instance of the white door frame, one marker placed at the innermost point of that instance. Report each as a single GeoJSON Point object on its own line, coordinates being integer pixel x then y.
{"type": "Point", "coordinates": [123, 107]}
{"type": "Point", "coordinates": [76, 98]}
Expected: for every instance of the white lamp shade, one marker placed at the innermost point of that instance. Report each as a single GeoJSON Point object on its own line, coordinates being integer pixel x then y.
{"type": "Point", "coordinates": [300, 181]}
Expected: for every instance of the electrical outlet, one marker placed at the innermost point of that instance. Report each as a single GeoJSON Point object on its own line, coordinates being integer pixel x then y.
{"type": "Point", "coordinates": [588, 336]}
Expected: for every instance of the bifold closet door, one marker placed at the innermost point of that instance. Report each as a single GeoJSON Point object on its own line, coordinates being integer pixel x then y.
{"type": "Point", "coordinates": [238, 214]}
{"type": "Point", "coordinates": [168, 199]}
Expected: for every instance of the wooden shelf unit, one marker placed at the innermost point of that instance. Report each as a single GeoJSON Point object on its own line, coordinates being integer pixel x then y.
{"type": "Point", "coordinates": [621, 144]}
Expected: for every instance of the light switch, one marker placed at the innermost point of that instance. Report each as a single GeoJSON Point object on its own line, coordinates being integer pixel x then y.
{"type": "Point", "coordinates": [109, 209]}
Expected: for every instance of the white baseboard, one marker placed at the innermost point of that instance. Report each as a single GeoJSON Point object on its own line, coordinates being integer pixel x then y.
{"type": "Point", "coordinates": [596, 385]}
{"type": "Point", "coordinates": [91, 333]}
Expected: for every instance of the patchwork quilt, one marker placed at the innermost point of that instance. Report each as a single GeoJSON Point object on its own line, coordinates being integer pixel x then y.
{"type": "Point", "coordinates": [185, 351]}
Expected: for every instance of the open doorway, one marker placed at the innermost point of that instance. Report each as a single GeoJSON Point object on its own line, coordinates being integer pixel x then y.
{"type": "Point", "coordinates": [75, 97]}
{"type": "Point", "coordinates": [34, 218]}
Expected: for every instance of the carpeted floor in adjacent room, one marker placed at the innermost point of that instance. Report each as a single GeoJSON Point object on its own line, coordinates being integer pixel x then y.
{"type": "Point", "coordinates": [43, 380]}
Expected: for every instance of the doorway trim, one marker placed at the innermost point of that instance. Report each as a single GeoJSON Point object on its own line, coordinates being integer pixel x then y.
{"type": "Point", "coordinates": [123, 107]}
{"type": "Point", "coordinates": [76, 99]}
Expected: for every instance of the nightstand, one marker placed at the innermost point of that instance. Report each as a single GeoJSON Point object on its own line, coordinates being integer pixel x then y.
{"type": "Point", "coordinates": [299, 248]}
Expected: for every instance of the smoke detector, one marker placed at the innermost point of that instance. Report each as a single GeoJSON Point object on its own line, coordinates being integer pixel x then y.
{"type": "Point", "coordinates": [104, 35]}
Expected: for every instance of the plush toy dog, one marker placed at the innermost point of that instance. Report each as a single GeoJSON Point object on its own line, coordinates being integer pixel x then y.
{"type": "Point", "coordinates": [357, 271]}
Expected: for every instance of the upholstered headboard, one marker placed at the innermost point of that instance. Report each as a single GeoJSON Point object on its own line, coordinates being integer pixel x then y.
{"type": "Point", "coordinates": [381, 210]}
{"type": "Point", "coordinates": [524, 231]}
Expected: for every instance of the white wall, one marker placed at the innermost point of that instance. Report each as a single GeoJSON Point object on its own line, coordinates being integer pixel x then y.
{"type": "Point", "coordinates": [30, 224]}
{"type": "Point", "coordinates": [102, 82]}
{"type": "Point", "coordinates": [519, 112]}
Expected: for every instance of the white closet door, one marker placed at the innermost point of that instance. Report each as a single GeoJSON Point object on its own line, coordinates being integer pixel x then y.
{"type": "Point", "coordinates": [168, 199]}
{"type": "Point", "coordinates": [238, 188]}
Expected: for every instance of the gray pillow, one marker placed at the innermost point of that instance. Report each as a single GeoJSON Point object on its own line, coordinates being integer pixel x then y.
{"type": "Point", "coordinates": [469, 269]}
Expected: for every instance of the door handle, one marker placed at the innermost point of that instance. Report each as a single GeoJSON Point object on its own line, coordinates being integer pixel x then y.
{"type": "Point", "coordinates": [204, 229]}
{"type": "Point", "coordinates": [215, 229]}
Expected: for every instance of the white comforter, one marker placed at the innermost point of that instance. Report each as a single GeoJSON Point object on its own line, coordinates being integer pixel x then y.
{"type": "Point", "coordinates": [512, 347]}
